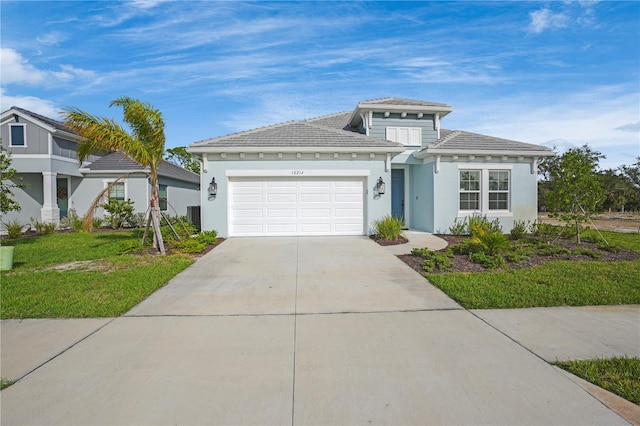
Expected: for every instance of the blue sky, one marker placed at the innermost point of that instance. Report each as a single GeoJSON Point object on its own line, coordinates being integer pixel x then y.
{"type": "Point", "coordinates": [552, 73]}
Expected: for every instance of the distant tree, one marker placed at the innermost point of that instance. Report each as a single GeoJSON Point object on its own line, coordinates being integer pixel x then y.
{"type": "Point", "coordinates": [145, 144]}
{"type": "Point", "coordinates": [182, 158]}
{"type": "Point", "coordinates": [632, 172]}
{"type": "Point", "coordinates": [574, 187]}
{"type": "Point", "coordinates": [8, 182]}
{"type": "Point", "coordinates": [620, 194]}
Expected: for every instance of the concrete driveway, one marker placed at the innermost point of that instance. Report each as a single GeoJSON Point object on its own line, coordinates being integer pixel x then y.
{"type": "Point", "coordinates": [298, 331]}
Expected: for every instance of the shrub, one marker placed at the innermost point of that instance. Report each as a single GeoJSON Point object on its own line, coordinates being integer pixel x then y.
{"type": "Point", "coordinates": [389, 227]}
{"type": "Point", "coordinates": [480, 222]}
{"type": "Point", "coordinates": [96, 222]}
{"type": "Point", "coordinates": [486, 260]}
{"type": "Point", "coordinates": [587, 252]}
{"type": "Point", "coordinates": [551, 250]}
{"type": "Point", "coordinates": [488, 241]}
{"type": "Point", "coordinates": [137, 221]}
{"type": "Point", "coordinates": [546, 230]}
{"type": "Point", "coordinates": [520, 228]}
{"type": "Point", "coordinates": [458, 227]}
{"type": "Point", "coordinates": [440, 260]}
{"type": "Point", "coordinates": [208, 237]}
{"type": "Point", "coordinates": [119, 212]}
{"type": "Point", "coordinates": [611, 248]}
{"type": "Point", "coordinates": [190, 245]}
{"type": "Point", "coordinates": [44, 228]}
{"type": "Point", "coordinates": [14, 228]}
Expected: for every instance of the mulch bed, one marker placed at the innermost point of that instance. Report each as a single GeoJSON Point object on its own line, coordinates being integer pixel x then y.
{"type": "Point", "coordinates": [383, 242]}
{"type": "Point", "coordinates": [461, 262]}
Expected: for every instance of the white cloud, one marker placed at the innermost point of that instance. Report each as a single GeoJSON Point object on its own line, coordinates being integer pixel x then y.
{"type": "Point", "coordinates": [631, 127]}
{"type": "Point", "coordinates": [545, 19]}
{"type": "Point", "coordinates": [16, 69]}
{"type": "Point", "coordinates": [599, 118]}
{"type": "Point", "coordinates": [32, 103]}
{"type": "Point", "coordinates": [51, 39]}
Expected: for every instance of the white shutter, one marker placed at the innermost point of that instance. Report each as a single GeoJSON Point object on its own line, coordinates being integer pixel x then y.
{"type": "Point", "coordinates": [410, 136]}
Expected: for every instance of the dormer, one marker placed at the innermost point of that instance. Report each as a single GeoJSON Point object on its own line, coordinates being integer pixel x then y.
{"type": "Point", "coordinates": [415, 124]}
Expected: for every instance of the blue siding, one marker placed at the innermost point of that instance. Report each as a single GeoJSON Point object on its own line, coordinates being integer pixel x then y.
{"type": "Point", "coordinates": [380, 123]}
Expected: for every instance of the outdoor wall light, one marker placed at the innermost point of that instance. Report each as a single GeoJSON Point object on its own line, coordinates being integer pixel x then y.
{"type": "Point", "coordinates": [380, 186]}
{"type": "Point", "coordinates": [213, 187]}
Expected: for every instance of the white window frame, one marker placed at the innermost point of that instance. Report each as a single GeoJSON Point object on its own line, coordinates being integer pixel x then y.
{"type": "Point", "coordinates": [126, 188]}
{"type": "Point", "coordinates": [24, 134]}
{"type": "Point", "coordinates": [414, 135]}
{"type": "Point", "coordinates": [499, 191]}
{"type": "Point", "coordinates": [468, 191]}
{"type": "Point", "coordinates": [484, 190]}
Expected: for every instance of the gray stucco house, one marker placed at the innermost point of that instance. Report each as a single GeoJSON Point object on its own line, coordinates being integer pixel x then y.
{"type": "Point", "coordinates": [336, 174]}
{"type": "Point", "coordinates": [43, 152]}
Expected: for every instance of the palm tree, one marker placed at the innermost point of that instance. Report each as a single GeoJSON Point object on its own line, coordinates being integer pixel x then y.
{"type": "Point", "coordinates": [145, 144]}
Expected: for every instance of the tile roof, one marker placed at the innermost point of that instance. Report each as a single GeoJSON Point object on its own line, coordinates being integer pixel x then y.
{"type": "Point", "coordinates": [295, 134]}
{"type": "Point", "coordinates": [457, 140]}
{"type": "Point", "coordinates": [59, 125]}
{"type": "Point", "coordinates": [118, 161]}
{"type": "Point", "coordinates": [338, 121]}
{"type": "Point", "coordinates": [401, 101]}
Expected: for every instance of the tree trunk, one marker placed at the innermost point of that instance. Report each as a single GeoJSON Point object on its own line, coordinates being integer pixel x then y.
{"type": "Point", "coordinates": [155, 216]}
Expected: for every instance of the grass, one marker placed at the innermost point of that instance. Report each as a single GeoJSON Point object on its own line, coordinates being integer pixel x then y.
{"type": "Point", "coordinates": [107, 285]}
{"type": "Point", "coordinates": [618, 375]}
{"type": "Point", "coordinates": [556, 283]}
{"type": "Point", "coordinates": [4, 383]}
{"type": "Point", "coordinates": [551, 284]}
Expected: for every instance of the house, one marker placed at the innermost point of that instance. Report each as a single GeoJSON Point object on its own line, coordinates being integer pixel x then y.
{"type": "Point", "coordinates": [43, 152]}
{"type": "Point", "coordinates": [337, 174]}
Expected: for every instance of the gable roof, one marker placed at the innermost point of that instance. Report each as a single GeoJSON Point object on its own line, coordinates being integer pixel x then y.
{"type": "Point", "coordinates": [461, 142]}
{"type": "Point", "coordinates": [54, 124]}
{"type": "Point", "coordinates": [296, 136]}
{"type": "Point", "coordinates": [118, 162]}
{"type": "Point", "coordinates": [402, 102]}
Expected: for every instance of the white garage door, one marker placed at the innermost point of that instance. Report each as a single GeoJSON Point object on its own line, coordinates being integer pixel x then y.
{"type": "Point", "coordinates": [296, 206]}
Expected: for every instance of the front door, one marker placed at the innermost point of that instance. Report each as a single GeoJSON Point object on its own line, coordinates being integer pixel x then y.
{"type": "Point", "coordinates": [397, 193]}
{"type": "Point", "coordinates": [62, 191]}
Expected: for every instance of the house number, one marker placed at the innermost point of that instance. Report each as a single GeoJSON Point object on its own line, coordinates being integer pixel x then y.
{"type": "Point", "coordinates": [297, 172]}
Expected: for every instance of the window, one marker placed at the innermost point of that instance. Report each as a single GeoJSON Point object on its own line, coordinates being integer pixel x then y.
{"type": "Point", "coordinates": [498, 190]}
{"type": "Point", "coordinates": [484, 190]}
{"type": "Point", "coordinates": [17, 135]}
{"type": "Point", "coordinates": [117, 192]}
{"type": "Point", "coordinates": [163, 197]}
{"type": "Point", "coordinates": [469, 189]}
{"type": "Point", "coordinates": [411, 136]}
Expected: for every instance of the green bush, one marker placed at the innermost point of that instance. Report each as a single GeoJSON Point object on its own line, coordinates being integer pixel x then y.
{"type": "Point", "coordinates": [389, 227]}
{"type": "Point", "coordinates": [486, 260]}
{"type": "Point", "coordinates": [458, 227]}
{"type": "Point", "coordinates": [546, 230]}
{"type": "Point", "coordinates": [119, 212]}
{"type": "Point", "coordinates": [551, 250]}
{"type": "Point", "coordinates": [611, 248]}
{"type": "Point", "coordinates": [96, 222]}
{"type": "Point", "coordinates": [587, 252]}
{"type": "Point", "coordinates": [44, 228]}
{"type": "Point", "coordinates": [488, 241]}
{"type": "Point", "coordinates": [520, 228]}
{"type": "Point", "coordinates": [480, 222]}
{"type": "Point", "coordinates": [14, 228]}
{"type": "Point", "coordinates": [440, 260]}
{"type": "Point", "coordinates": [190, 245]}
{"type": "Point", "coordinates": [208, 237]}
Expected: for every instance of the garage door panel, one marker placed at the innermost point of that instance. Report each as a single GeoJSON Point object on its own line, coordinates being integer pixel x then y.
{"type": "Point", "coordinates": [277, 213]}
{"type": "Point", "coordinates": [281, 198]}
{"type": "Point", "coordinates": [296, 206]}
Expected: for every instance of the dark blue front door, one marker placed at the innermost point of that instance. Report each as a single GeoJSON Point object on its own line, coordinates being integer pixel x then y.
{"type": "Point", "coordinates": [397, 193]}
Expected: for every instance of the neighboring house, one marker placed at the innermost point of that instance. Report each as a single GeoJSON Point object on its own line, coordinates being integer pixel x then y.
{"type": "Point", "coordinates": [44, 153]}
{"type": "Point", "coordinates": [321, 176]}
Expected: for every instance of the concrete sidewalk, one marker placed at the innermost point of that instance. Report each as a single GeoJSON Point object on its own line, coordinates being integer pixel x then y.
{"type": "Point", "coordinates": [417, 239]}
{"type": "Point", "coordinates": [323, 351]}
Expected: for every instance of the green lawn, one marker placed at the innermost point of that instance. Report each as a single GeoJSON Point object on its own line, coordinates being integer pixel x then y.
{"type": "Point", "coordinates": [618, 375]}
{"type": "Point", "coordinates": [107, 285]}
{"type": "Point", "coordinates": [555, 283]}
